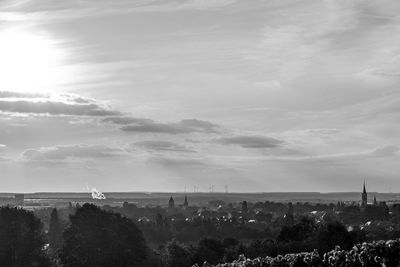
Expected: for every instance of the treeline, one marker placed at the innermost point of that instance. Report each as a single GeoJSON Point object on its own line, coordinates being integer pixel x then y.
{"type": "Point", "coordinates": [92, 238]}
{"type": "Point", "coordinates": [261, 220]}
{"type": "Point", "coordinates": [303, 236]}
{"type": "Point", "coordinates": [374, 254]}
{"type": "Point", "coordinates": [190, 225]}
{"type": "Point", "coordinates": [95, 237]}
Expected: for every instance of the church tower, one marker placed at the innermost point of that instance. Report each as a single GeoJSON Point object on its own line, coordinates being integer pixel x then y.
{"type": "Point", "coordinates": [171, 204]}
{"type": "Point", "coordinates": [364, 197]}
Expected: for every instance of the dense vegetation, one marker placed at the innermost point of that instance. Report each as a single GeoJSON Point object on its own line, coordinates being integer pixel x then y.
{"type": "Point", "coordinates": [374, 254]}
{"type": "Point", "coordinates": [305, 235]}
{"type": "Point", "coordinates": [128, 236]}
{"type": "Point", "coordinates": [21, 239]}
{"type": "Point", "coordinates": [92, 238]}
{"type": "Point", "coordinates": [97, 238]}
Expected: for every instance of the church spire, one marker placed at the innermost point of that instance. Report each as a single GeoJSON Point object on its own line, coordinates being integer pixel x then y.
{"type": "Point", "coordinates": [364, 190]}
{"type": "Point", "coordinates": [171, 203]}
{"type": "Point", "coordinates": [364, 197]}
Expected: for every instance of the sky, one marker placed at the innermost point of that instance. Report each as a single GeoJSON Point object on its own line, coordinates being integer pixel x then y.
{"type": "Point", "coordinates": [163, 95]}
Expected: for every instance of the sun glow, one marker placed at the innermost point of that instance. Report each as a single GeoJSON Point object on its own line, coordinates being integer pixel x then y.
{"type": "Point", "coordinates": [30, 62]}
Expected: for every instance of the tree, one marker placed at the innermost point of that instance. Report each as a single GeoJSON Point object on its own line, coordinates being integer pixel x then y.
{"type": "Point", "coordinates": [298, 232]}
{"type": "Point", "coordinates": [210, 250]}
{"type": "Point", "coordinates": [244, 207]}
{"type": "Point", "coordinates": [334, 234]}
{"type": "Point", "coordinates": [159, 221]}
{"type": "Point", "coordinates": [98, 238]}
{"type": "Point", "coordinates": [55, 230]}
{"type": "Point", "coordinates": [177, 255]}
{"type": "Point", "coordinates": [21, 239]}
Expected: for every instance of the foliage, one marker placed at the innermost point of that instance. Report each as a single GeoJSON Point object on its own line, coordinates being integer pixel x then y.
{"type": "Point", "coordinates": [21, 239]}
{"type": "Point", "coordinates": [300, 231]}
{"type": "Point", "coordinates": [378, 253]}
{"type": "Point", "coordinates": [97, 238]}
{"type": "Point", "coordinates": [209, 249]}
{"type": "Point", "coordinates": [55, 230]}
{"type": "Point", "coordinates": [177, 254]}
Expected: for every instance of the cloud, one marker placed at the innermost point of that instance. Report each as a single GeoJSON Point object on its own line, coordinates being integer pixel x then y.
{"type": "Point", "coordinates": [382, 152]}
{"type": "Point", "coordinates": [387, 151]}
{"type": "Point", "coordinates": [126, 120]}
{"type": "Point", "coordinates": [51, 104]}
{"type": "Point", "coordinates": [47, 11]}
{"type": "Point", "coordinates": [203, 4]}
{"type": "Point", "coordinates": [150, 126]}
{"type": "Point", "coordinates": [54, 108]}
{"type": "Point", "coordinates": [76, 9]}
{"type": "Point", "coordinates": [175, 162]}
{"type": "Point", "coordinates": [3, 159]}
{"type": "Point", "coordinates": [250, 141]}
{"type": "Point", "coordinates": [11, 94]}
{"type": "Point", "coordinates": [58, 153]}
{"type": "Point", "coordinates": [154, 127]}
{"type": "Point", "coordinates": [199, 125]}
{"type": "Point", "coordinates": [162, 146]}
{"type": "Point", "coordinates": [323, 131]}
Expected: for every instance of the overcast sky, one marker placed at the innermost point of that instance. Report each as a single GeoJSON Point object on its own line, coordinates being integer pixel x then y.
{"type": "Point", "coordinates": [156, 95]}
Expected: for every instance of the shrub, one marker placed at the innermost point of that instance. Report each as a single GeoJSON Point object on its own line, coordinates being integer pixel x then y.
{"type": "Point", "coordinates": [377, 253]}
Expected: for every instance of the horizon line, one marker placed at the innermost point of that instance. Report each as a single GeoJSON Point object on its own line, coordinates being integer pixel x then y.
{"type": "Point", "coordinates": [200, 192]}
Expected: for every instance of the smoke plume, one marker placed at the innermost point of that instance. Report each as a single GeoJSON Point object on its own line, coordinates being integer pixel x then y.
{"type": "Point", "coordinates": [96, 194]}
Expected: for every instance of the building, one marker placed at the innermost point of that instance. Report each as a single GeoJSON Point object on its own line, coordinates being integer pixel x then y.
{"type": "Point", "coordinates": [374, 211]}
{"type": "Point", "coordinates": [364, 197]}
{"type": "Point", "coordinates": [171, 204]}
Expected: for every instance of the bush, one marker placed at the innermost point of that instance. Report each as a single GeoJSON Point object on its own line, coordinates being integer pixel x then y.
{"type": "Point", "coordinates": [378, 253]}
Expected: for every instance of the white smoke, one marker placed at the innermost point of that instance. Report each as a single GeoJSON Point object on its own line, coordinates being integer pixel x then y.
{"type": "Point", "coordinates": [96, 194]}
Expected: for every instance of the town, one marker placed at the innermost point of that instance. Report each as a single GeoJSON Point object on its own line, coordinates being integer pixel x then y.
{"type": "Point", "coordinates": [253, 228]}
